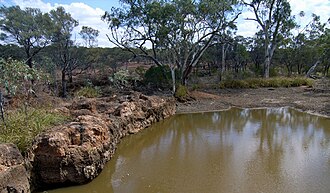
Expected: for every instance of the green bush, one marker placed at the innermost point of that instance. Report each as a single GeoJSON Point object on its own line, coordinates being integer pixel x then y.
{"type": "Point", "coordinates": [181, 92]}
{"type": "Point", "coordinates": [273, 72]}
{"type": "Point", "coordinates": [234, 84]}
{"type": "Point", "coordinates": [121, 79]}
{"type": "Point", "coordinates": [158, 76]}
{"type": "Point", "coordinates": [140, 71]}
{"type": "Point", "coordinates": [88, 91]}
{"type": "Point", "coordinates": [16, 77]}
{"type": "Point", "coordinates": [22, 125]}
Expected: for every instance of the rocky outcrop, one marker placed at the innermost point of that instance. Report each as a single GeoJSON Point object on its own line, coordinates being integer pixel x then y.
{"type": "Point", "coordinates": [13, 175]}
{"type": "Point", "coordinates": [75, 153]}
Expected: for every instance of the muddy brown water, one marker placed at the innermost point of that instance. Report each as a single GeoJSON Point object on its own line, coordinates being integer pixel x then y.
{"type": "Point", "coordinates": [277, 150]}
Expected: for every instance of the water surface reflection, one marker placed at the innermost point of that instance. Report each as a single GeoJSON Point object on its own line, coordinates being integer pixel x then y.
{"type": "Point", "coordinates": [240, 150]}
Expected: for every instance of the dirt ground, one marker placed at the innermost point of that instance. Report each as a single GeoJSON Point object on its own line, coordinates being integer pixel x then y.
{"type": "Point", "coordinates": [303, 98]}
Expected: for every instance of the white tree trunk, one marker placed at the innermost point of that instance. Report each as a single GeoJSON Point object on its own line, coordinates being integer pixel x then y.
{"type": "Point", "coordinates": [173, 78]}
{"type": "Point", "coordinates": [1, 108]}
{"type": "Point", "coordinates": [266, 67]}
{"type": "Point", "coordinates": [311, 70]}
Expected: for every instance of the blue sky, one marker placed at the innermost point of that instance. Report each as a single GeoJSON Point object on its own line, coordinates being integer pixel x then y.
{"type": "Point", "coordinates": [104, 4]}
{"type": "Point", "coordinates": [89, 12]}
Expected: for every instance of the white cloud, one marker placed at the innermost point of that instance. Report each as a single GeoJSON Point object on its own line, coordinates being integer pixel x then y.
{"type": "Point", "coordinates": [246, 28]}
{"type": "Point", "coordinates": [319, 7]}
{"type": "Point", "coordinates": [89, 16]}
{"type": "Point", "coordinates": [45, 7]}
{"type": "Point", "coordinates": [86, 15]}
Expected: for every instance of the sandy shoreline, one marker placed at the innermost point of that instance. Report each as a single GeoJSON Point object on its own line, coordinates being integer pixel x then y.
{"type": "Point", "coordinates": [300, 98]}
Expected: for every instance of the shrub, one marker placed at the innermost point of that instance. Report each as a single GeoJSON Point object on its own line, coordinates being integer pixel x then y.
{"type": "Point", "coordinates": [273, 72]}
{"type": "Point", "coordinates": [234, 84]}
{"type": "Point", "coordinates": [16, 77]}
{"type": "Point", "coordinates": [158, 76]}
{"type": "Point", "coordinates": [120, 79]}
{"type": "Point", "coordinates": [22, 125]}
{"type": "Point", "coordinates": [140, 71]}
{"type": "Point", "coordinates": [181, 92]}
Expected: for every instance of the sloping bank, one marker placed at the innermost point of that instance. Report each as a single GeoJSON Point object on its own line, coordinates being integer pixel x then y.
{"type": "Point", "coordinates": [75, 153]}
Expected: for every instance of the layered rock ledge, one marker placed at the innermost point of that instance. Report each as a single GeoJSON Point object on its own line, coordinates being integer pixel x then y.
{"type": "Point", "coordinates": [13, 175]}
{"type": "Point", "coordinates": [75, 153]}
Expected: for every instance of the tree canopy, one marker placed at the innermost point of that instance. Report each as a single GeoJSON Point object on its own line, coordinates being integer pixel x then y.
{"type": "Point", "coordinates": [29, 28]}
{"type": "Point", "coordinates": [89, 35]}
{"type": "Point", "coordinates": [274, 18]}
{"type": "Point", "coordinates": [178, 32]}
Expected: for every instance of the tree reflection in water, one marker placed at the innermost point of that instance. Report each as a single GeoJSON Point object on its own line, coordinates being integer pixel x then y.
{"type": "Point", "coordinates": [240, 150]}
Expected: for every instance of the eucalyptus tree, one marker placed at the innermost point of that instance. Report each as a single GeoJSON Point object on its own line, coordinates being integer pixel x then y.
{"type": "Point", "coordinates": [62, 32]}
{"type": "Point", "coordinates": [89, 35]}
{"type": "Point", "coordinates": [30, 28]}
{"type": "Point", "coordinates": [274, 18]}
{"type": "Point", "coordinates": [326, 47]}
{"type": "Point", "coordinates": [226, 41]}
{"type": "Point", "coordinates": [240, 54]}
{"type": "Point", "coordinates": [310, 45]}
{"type": "Point", "coordinates": [256, 49]}
{"type": "Point", "coordinates": [318, 39]}
{"type": "Point", "coordinates": [182, 29]}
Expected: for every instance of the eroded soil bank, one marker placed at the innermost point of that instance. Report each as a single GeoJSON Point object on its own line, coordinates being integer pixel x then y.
{"type": "Point", "coordinates": [302, 98]}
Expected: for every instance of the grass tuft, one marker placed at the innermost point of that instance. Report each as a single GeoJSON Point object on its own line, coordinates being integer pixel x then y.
{"type": "Point", "coordinates": [23, 125]}
{"type": "Point", "coordinates": [89, 92]}
{"type": "Point", "coordinates": [181, 92]}
{"type": "Point", "coordinates": [270, 82]}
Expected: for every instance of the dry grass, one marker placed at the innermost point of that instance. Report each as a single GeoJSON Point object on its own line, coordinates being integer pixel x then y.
{"type": "Point", "coordinates": [270, 82]}
{"type": "Point", "coordinates": [23, 124]}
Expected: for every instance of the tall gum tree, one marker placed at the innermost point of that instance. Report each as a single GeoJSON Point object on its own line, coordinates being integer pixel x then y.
{"type": "Point", "coordinates": [30, 28]}
{"type": "Point", "coordinates": [64, 24]}
{"type": "Point", "coordinates": [89, 35]}
{"type": "Point", "coordinates": [170, 32]}
{"type": "Point", "coordinates": [318, 40]}
{"type": "Point", "coordinates": [274, 18]}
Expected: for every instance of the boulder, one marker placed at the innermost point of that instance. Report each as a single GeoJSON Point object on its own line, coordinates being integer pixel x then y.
{"type": "Point", "coordinates": [70, 154]}
{"type": "Point", "coordinates": [13, 175]}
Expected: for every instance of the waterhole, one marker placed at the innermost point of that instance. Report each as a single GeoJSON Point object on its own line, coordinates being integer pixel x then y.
{"type": "Point", "coordinates": [276, 150]}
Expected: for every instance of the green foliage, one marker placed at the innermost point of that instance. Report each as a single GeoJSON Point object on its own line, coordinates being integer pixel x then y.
{"type": "Point", "coordinates": [30, 28]}
{"type": "Point", "coordinates": [140, 71]}
{"type": "Point", "coordinates": [88, 91]}
{"type": "Point", "coordinates": [16, 76]}
{"type": "Point", "coordinates": [234, 84]}
{"type": "Point", "coordinates": [181, 92]}
{"type": "Point", "coordinates": [270, 82]}
{"type": "Point", "coordinates": [273, 72]}
{"type": "Point", "coordinates": [121, 79]}
{"type": "Point", "coordinates": [158, 76]}
{"type": "Point", "coordinates": [180, 30]}
{"type": "Point", "coordinates": [22, 125]}
{"type": "Point", "coordinates": [276, 22]}
{"type": "Point", "coordinates": [89, 35]}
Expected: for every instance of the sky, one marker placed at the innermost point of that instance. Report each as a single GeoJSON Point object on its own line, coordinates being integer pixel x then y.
{"type": "Point", "coordinates": [89, 12]}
